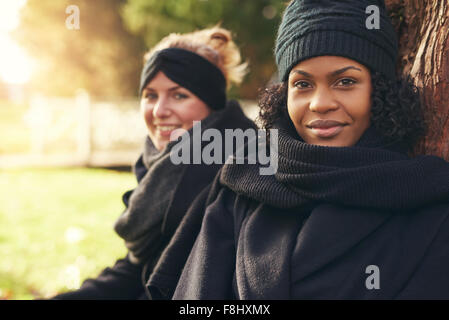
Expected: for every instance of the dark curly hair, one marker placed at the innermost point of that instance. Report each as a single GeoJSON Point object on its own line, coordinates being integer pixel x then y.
{"type": "Point", "coordinates": [396, 110]}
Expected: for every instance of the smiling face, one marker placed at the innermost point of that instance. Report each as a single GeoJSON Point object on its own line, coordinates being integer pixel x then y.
{"type": "Point", "coordinates": [166, 106]}
{"type": "Point", "coordinates": [329, 100]}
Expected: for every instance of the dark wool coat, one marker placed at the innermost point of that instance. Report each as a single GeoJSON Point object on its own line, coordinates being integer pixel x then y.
{"type": "Point", "coordinates": [362, 222]}
{"type": "Point", "coordinates": [126, 279]}
{"type": "Point", "coordinates": [327, 256]}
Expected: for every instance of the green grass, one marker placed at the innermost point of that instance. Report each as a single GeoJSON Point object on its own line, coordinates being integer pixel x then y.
{"type": "Point", "coordinates": [56, 228]}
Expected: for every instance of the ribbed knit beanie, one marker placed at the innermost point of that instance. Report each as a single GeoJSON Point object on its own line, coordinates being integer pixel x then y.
{"type": "Point", "coordinates": [312, 28]}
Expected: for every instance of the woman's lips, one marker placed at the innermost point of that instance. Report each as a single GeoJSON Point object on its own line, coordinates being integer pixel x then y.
{"type": "Point", "coordinates": [327, 132]}
{"type": "Point", "coordinates": [326, 128]}
{"type": "Point", "coordinates": [166, 130]}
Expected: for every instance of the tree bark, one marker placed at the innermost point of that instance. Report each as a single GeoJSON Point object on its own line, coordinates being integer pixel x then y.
{"type": "Point", "coordinates": [423, 29]}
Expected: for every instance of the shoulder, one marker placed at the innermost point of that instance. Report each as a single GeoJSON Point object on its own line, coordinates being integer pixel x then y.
{"type": "Point", "coordinates": [439, 215]}
{"type": "Point", "coordinates": [221, 198]}
{"type": "Point", "coordinates": [139, 168]}
{"type": "Point", "coordinates": [430, 278]}
{"type": "Point", "coordinates": [438, 212]}
{"type": "Point", "coordinates": [225, 202]}
{"type": "Point", "coordinates": [234, 117]}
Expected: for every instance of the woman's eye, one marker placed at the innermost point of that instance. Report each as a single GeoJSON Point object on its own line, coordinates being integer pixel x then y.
{"type": "Point", "coordinates": [346, 82]}
{"type": "Point", "coordinates": [150, 96]}
{"type": "Point", "coordinates": [302, 84]}
{"type": "Point", "coordinates": [180, 96]}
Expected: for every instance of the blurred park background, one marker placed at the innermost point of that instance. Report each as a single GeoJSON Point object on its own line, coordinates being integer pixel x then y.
{"type": "Point", "coordinates": [69, 119]}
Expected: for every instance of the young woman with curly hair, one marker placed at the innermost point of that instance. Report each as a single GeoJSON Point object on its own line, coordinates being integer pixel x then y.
{"type": "Point", "coordinates": [395, 108]}
{"type": "Point", "coordinates": [348, 214]}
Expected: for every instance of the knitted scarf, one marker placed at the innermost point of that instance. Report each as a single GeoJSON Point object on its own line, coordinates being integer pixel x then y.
{"type": "Point", "coordinates": [248, 238]}
{"type": "Point", "coordinates": [372, 178]}
{"type": "Point", "coordinates": [371, 174]}
{"type": "Point", "coordinates": [165, 190]}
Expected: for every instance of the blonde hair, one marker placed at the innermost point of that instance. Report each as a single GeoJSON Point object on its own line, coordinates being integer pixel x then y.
{"type": "Point", "coordinates": [214, 44]}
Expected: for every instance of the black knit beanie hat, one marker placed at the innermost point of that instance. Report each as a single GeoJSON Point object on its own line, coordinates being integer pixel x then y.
{"type": "Point", "coordinates": [312, 28]}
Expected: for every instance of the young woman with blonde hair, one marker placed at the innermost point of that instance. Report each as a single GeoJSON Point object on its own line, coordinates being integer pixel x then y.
{"type": "Point", "coordinates": [184, 79]}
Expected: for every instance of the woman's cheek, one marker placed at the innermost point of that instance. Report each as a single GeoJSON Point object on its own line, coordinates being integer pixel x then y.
{"type": "Point", "coordinates": [143, 104]}
{"type": "Point", "coordinates": [146, 112]}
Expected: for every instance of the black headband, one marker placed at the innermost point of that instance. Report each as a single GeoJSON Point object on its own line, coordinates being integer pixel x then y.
{"type": "Point", "coordinates": [190, 71]}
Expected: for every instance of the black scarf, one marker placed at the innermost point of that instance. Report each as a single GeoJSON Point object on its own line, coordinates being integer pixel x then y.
{"type": "Point", "coordinates": [371, 174]}
{"type": "Point", "coordinates": [267, 214]}
{"type": "Point", "coordinates": [165, 190]}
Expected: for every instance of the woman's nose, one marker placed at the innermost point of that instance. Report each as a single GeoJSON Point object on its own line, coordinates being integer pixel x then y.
{"type": "Point", "coordinates": [161, 108]}
{"type": "Point", "coordinates": [323, 101]}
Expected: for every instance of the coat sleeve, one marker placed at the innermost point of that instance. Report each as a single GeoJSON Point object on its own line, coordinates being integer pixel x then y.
{"type": "Point", "coordinates": [209, 270]}
{"type": "Point", "coordinates": [122, 281]}
{"type": "Point", "coordinates": [431, 278]}
{"type": "Point", "coordinates": [165, 275]}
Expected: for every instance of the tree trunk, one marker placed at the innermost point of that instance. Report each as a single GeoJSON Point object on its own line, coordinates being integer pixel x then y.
{"type": "Point", "coordinates": [423, 28]}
